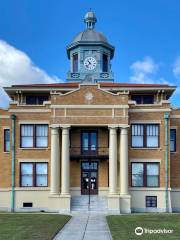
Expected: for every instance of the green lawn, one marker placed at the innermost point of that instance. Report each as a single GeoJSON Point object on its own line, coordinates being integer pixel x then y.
{"type": "Point", "coordinates": [32, 226]}
{"type": "Point", "coordinates": [122, 227]}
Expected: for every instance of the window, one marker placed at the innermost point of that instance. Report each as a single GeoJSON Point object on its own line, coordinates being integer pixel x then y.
{"type": "Point", "coordinates": [138, 135]}
{"type": "Point", "coordinates": [145, 135]}
{"type": "Point", "coordinates": [6, 140]}
{"type": "Point", "coordinates": [145, 175]}
{"type": "Point", "coordinates": [151, 201]}
{"type": "Point", "coordinates": [173, 140]}
{"type": "Point", "coordinates": [137, 174]}
{"type": "Point", "coordinates": [89, 141]}
{"type": "Point", "coordinates": [143, 99]}
{"type": "Point", "coordinates": [75, 62]}
{"type": "Point", "coordinates": [36, 100]}
{"type": "Point", "coordinates": [34, 174]}
{"type": "Point", "coordinates": [34, 136]}
{"type": "Point", "coordinates": [105, 63]}
{"type": "Point", "coordinates": [152, 132]}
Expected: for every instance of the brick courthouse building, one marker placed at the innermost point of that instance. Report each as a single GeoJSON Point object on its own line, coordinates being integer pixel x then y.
{"type": "Point", "coordinates": [90, 143]}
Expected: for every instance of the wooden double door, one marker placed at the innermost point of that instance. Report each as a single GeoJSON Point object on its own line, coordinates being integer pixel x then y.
{"type": "Point", "coordinates": [89, 177]}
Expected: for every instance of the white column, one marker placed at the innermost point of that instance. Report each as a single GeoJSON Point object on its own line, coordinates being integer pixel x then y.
{"type": "Point", "coordinates": [124, 161]}
{"type": "Point", "coordinates": [112, 160]}
{"type": "Point", "coordinates": [55, 161]}
{"type": "Point", "coordinates": [65, 162]}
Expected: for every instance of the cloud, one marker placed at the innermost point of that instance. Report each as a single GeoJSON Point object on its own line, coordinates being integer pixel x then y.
{"type": "Point", "coordinates": [143, 71]}
{"type": "Point", "coordinates": [16, 67]}
{"type": "Point", "coordinates": [176, 68]}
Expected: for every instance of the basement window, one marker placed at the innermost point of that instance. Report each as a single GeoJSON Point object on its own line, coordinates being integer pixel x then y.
{"type": "Point", "coordinates": [27, 204]}
{"type": "Point", "coordinates": [151, 201]}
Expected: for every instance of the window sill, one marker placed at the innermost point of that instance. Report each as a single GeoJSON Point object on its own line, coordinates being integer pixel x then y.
{"type": "Point", "coordinates": [141, 148]}
{"type": "Point", "coordinates": [173, 152]}
{"type": "Point", "coordinates": [6, 152]}
{"type": "Point", "coordinates": [34, 148]}
{"type": "Point", "coordinates": [32, 188]}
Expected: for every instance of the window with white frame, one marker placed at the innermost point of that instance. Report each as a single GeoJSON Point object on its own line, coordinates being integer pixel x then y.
{"type": "Point", "coordinates": [34, 136]}
{"type": "Point", "coordinates": [137, 135]}
{"type": "Point", "coordinates": [145, 135]}
{"type": "Point", "coordinates": [6, 140]}
{"type": "Point", "coordinates": [33, 174]}
{"type": "Point", "coordinates": [145, 174]}
{"type": "Point", "coordinates": [173, 140]}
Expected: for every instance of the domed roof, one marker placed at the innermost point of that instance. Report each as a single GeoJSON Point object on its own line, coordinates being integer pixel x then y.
{"type": "Point", "coordinates": [90, 35]}
{"type": "Point", "coordinates": [90, 16]}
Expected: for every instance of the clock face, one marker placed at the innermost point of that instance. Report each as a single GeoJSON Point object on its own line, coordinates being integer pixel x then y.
{"type": "Point", "coordinates": [90, 63]}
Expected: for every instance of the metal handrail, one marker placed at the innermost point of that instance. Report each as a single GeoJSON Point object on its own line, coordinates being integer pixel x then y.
{"type": "Point", "coordinates": [93, 152]}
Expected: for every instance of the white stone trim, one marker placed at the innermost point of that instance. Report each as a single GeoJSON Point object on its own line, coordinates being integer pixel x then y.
{"type": "Point", "coordinates": [30, 110]}
{"type": "Point", "coordinates": [33, 148]}
{"type": "Point", "coordinates": [144, 160]}
{"type": "Point", "coordinates": [4, 116]}
{"type": "Point", "coordinates": [6, 127]}
{"type": "Point", "coordinates": [85, 106]}
{"type": "Point", "coordinates": [146, 121]}
{"type": "Point", "coordinates": [174, 127]}
{"type": "Point", "coordinates": [175, 189]}
{"type": "Point", "coordinates": [175, 116]}
{"type": "Point", "coordinates": [149, 189]}
{"type": "Point", "coordinates": [32, 160]}
{"type": "Point", "coordinates": [151, 110]}
{"type": "Point", "coordinates": [83, 116]}
{"type": "Point", "coordinates": [33, 122]}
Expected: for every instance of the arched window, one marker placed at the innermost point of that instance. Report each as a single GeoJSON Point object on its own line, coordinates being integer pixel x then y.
{"type": "Point", "coordinates": [105, 63]}
{"type": "Point", "coordinates": [75, 62]}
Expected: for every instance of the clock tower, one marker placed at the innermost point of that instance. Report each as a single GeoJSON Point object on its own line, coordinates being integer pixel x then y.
{"type": "Point", "coordinates": [90, 55]}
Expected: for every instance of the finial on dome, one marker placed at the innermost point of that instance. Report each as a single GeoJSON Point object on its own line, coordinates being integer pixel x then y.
{"type": "Point", "coordinates": [90, 19]}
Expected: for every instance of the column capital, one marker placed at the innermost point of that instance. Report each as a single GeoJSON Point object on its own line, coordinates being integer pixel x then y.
{"type": "Point", "coordinates": [113, 126]}
{"type": "Point", "coordinates": [65, 126]}
{"type": "Point", "coordinates": [54, 126]}
{"type": "Point", "coordinates": [124, 126]}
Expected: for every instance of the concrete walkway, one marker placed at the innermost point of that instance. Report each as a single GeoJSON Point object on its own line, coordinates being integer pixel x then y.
{"type": "Point", "coordinates": [85, 227]}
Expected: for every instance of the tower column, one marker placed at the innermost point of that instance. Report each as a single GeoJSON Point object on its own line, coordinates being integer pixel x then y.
{"type": "Point", "coordinates": [113, 197]}
{"type": "Point", "coordinates": [112, 160]}
{"type": "Point", "coordinates": [55, 161]}
{"type": "Point", "coordinates": [125, 198]}
{"type": "Point", "coordinates": [65, 162]}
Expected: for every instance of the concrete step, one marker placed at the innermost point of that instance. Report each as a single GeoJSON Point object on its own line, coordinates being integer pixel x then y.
{"type": "Point", "coordinates": [81, 203]}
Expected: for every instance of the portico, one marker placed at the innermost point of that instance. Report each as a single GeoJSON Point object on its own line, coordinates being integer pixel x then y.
{"type": "Point", "coordinates": [118, 196]}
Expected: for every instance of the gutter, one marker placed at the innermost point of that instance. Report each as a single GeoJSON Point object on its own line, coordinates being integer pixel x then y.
{"type": "Point", "coordinates": [166, 118]}
{"type": "Point", "coordinates": [13, 118]}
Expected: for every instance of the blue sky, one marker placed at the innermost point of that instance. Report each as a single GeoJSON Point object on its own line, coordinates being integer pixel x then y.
{"type": "Point", "coordinates": [34, 35]}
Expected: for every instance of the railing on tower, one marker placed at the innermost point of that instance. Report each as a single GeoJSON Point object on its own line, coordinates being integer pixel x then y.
{"type": "Point", "coordinates": [100, 152]}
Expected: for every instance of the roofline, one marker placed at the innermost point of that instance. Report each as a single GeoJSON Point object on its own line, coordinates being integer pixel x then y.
{"type": "Point", "coordinates": [87, 43]}
{"type": "Point", "coordinates": [37, 88]}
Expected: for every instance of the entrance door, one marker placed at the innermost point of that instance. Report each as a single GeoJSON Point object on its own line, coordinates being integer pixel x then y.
{"type": "Point", "coordinates": [89, 178]}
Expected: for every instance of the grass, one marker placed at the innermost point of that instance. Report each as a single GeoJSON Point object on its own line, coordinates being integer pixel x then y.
{"type": "Point", "coordinates": [33, 226]}
{"type": "Point", "coordinates": [122, 227]}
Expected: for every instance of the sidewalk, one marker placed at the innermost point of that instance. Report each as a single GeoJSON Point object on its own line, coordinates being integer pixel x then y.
{"type": "Point", "coordinates": [85, 227]}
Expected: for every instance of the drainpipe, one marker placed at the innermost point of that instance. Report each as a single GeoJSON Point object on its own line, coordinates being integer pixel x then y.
{"type": "Point", "coordinates": [13, 118]}
{"type": "Point", "coordinates": [166, 118]}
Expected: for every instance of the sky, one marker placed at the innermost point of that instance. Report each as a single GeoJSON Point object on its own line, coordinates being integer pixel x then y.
{"type": "Point", "coordinates": [34, 35]}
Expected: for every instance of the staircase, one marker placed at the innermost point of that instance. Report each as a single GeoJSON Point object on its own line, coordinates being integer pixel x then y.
{"type": "Point", "coordinates": [81, 203]}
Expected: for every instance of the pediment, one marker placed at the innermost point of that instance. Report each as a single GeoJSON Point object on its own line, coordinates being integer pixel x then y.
{"type": "Point", "coordinates": [91, 95]}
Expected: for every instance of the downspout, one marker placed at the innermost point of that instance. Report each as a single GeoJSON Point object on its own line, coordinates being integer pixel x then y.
{"type": "Point", "coordinates": [166, 118]}
{"type": "Point", "coordinates": [13, 118]}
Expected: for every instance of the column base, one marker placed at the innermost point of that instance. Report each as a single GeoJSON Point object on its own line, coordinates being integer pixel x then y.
{"type": "Point", "coordinates": [61, 203]}
{"type": "Point", "coordinates": [113, 203]}
{"type": "Point", "coordinates": [125, 202]}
